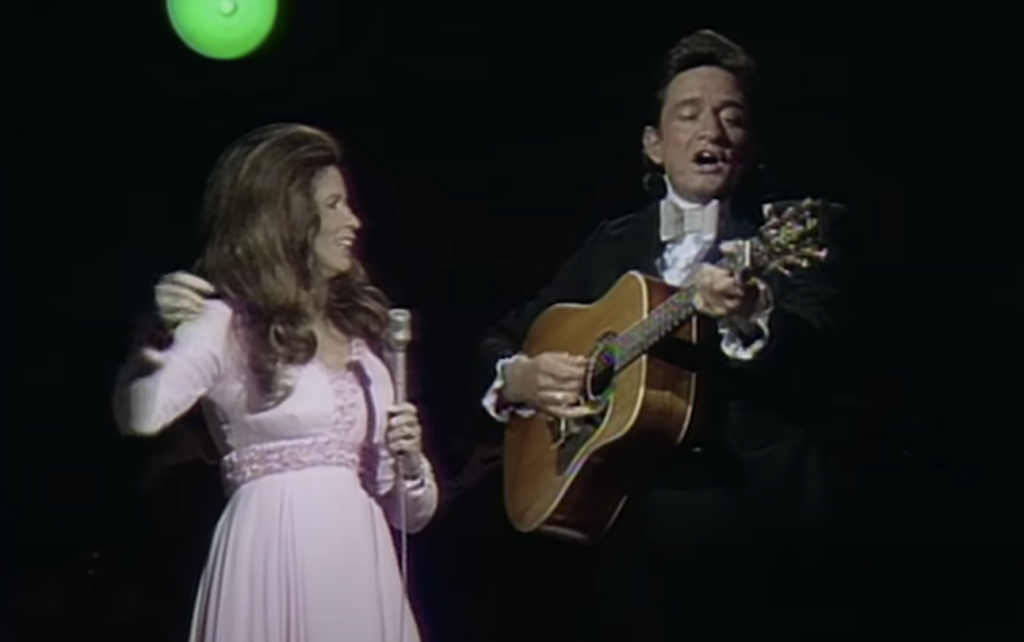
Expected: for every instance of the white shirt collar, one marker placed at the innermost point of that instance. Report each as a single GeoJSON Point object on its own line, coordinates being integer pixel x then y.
{"type": "Point", "coordinates": [680, 217]}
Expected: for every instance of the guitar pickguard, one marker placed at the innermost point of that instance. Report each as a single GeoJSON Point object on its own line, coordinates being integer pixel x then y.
{"type": "Point", "coordinates": [570, 435]}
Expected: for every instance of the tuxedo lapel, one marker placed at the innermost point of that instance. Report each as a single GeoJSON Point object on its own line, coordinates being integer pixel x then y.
{"type": "Point", "coordinates": [641, 245]}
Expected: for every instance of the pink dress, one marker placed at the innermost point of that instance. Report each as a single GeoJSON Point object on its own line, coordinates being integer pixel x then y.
{"type": "Point", "coordinates": [303, 551]}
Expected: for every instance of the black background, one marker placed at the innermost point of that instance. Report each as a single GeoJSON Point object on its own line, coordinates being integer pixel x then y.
{"type": "Point", "coordinates": [486, 141]}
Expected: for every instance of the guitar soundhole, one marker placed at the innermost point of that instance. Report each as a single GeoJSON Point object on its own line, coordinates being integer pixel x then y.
{"type": "Point", "coordinates": [601, 373]}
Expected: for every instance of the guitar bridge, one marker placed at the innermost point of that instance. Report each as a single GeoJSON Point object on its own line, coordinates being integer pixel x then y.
{"type": "Point", "coordinates": [570, 435]}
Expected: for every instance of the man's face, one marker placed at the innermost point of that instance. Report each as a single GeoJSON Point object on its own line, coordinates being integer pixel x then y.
{"type": "Point", "coordinates": [702, 139]}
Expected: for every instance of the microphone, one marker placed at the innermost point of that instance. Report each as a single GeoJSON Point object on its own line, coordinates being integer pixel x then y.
{"type": "Point", "coordinates": [399, 335]}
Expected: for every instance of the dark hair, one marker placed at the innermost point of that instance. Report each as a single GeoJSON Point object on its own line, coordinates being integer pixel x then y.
{"type": "Point", "coordinates": [704, 48]}
{"type": "Point", "coordinates": [261, 221]}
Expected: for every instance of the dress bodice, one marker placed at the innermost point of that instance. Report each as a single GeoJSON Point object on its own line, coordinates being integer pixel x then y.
{"type": "Point", "coordinates": [344, 443]}
{"type": "Point", "coordinates": [331, 416]}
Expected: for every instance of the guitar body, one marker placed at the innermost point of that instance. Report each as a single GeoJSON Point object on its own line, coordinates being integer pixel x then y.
{"type": "Point", "coordinates": [571, 479]}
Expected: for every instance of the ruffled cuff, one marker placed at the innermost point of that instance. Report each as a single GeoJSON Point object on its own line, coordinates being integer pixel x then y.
{"type": "Point", "coordinates": [743, 338]}
{"type": "Point", "coordinates": [492, 398]}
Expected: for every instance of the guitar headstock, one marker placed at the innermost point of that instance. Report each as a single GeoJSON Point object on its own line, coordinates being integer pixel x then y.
{"type": "Point", "coordinates": [791, 237]}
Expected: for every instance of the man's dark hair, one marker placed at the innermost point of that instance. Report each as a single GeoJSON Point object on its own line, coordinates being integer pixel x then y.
{"type": "Point", "coordinates": [706, 48]}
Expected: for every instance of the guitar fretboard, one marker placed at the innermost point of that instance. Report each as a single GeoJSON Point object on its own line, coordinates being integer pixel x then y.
{"type": "Point", "coordinates": [674, 311]}
{"type": "Point", "coordinates": [665, 318]}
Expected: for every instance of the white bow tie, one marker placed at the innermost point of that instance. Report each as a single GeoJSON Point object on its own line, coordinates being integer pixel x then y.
{"type": "Point", "coordinates": [678, 221]}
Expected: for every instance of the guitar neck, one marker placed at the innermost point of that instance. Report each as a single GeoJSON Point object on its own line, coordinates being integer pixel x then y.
{"type": "Point", "coordinates": [665, 318]}
{"type": "Point", "coordinates": [679, 308]}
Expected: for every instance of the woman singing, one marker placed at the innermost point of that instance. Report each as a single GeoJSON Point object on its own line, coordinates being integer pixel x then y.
{"type": "Point", "coordinates": [318, 458]}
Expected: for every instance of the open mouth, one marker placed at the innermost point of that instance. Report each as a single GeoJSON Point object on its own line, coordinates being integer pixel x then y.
{"type": "Point", "coordinates": [345, 243]}
{"type": "Point", "coordinates": [710, 160]}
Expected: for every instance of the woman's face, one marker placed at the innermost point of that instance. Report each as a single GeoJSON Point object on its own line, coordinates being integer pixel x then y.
{"type": "Point", "coordinates": [332, 248]}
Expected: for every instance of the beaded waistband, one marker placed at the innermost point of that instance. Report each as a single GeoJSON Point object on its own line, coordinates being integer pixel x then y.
{"type": "Point", "coordinates": [259, 460]}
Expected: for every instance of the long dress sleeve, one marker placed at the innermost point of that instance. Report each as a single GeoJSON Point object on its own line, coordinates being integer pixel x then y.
{"type": "Point", "coordinates": [420, 495]}
{"type": "Point", "coordinates": [380, 476]}
{"type": "Point", "coordinates": [147, 402]}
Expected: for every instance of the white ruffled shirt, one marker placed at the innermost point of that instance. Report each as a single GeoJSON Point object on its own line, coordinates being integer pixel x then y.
{"type": "Point", "coordinates": [689, 231]}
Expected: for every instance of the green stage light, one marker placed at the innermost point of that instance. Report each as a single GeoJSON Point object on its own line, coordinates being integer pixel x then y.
{"type": "Point", "coordinates": [222, 29]}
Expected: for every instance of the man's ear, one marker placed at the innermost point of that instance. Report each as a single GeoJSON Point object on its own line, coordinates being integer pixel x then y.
{"type": "Point", "coordinates": [652, 145]}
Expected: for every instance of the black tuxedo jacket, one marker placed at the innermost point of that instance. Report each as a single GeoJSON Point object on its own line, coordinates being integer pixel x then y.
{"type": "Point", "coordinates": [777, 395]}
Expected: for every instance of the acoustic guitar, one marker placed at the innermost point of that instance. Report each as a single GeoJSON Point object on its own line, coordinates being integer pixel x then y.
{"type": "Point", "coordinates": [570, 478]}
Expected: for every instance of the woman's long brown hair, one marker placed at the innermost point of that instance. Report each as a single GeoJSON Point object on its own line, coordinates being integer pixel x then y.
{"type": "Point", "coordinates": [260, 220]}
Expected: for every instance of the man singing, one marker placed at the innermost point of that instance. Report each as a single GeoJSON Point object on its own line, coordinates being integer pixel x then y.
{"type": "Point", "coordinates": [720, 538]}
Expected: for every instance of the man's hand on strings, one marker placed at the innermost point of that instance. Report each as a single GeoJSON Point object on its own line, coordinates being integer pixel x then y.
{"type": "Point", "coordinates": [721, 293]}
{"type": "Point", "coordinates": [550, 382]}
